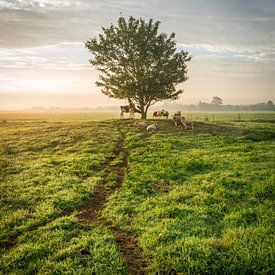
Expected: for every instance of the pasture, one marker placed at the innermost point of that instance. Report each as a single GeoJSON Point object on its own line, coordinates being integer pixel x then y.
{"type": "Point", "coordinates": [92, 194]}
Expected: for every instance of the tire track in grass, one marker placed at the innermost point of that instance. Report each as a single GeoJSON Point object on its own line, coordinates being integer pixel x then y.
{"type": "Point", "coordinates": [91, 213]}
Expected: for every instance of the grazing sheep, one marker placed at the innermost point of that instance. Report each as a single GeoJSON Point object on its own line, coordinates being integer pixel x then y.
{"type": "Point", "coordinates": [151, 127]}
{"type": "Point", "coordinates": [141, 124]}
{"type": "Point", "coordinates": [188, 123]}
{"type": "Point", "coordinates": [178, 120]}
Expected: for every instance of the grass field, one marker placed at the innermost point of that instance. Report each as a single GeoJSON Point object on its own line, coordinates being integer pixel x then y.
{"type": "Point", "coordinates": [173, 201]}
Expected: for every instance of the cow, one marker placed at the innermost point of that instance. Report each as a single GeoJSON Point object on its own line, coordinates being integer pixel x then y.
{"type": "Point", "coordinates": [131, 109]}
{"type": "Point", "coordinates": [161, 113]}
{"type": "Point", "coordinates": [165, 114]}
{"type": "Point", "coordinates": [126, 109]}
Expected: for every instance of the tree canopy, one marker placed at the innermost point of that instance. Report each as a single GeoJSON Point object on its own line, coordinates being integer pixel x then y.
{"type": "Point", "coordinates": [138, 63]}
{"type": "Point", "coordinates": [216, 100]}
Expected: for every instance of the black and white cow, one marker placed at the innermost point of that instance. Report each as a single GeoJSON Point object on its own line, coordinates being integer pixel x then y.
{"type": "Point", "coordinates": [131, 109]}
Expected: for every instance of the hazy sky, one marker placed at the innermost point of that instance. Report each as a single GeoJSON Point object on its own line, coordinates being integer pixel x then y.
{"type": "Point", "coordinates": [43, 61]}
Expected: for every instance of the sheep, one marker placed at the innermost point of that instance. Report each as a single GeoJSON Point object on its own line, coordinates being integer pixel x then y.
{"type": "Point", "coordinates": [188, 123]}
{"type": "Point", "coordinates": [177, 113]}
{"type": "Point", "coordinates": [151, 127]}
{"type": "Point", "coordinates": [181, 120]}
{"type": "Point", "coordinates": [141, 124]}
{"type": "Point", "coordinates": [178, 120]}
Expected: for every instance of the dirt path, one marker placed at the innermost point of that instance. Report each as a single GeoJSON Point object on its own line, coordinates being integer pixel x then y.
{"type": "Point", "coordinates": [91, 213]}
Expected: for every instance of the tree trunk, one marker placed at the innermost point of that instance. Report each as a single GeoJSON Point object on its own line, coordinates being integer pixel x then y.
{"type": "Point", "coordinates": [143, 112]}
{"type": "Point", "coordinates": [143, 115]}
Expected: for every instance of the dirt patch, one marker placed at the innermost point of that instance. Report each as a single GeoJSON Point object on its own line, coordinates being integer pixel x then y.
{"type": "Point", "coordinates": [132, 254]}
{"type": "Point", "coordinates": [120, 170]}
{"type": "Point", "coordinates": [91, 213]}
{"type": "Point", "coordinates": [161, 186]}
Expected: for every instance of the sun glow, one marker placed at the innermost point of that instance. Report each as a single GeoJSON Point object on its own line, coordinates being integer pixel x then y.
{"type": "Point", "coordinates": [43, 86]}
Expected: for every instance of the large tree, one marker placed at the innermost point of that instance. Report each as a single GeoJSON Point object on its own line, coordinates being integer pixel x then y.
{"type": "Point", "coordinates": [138, 63]}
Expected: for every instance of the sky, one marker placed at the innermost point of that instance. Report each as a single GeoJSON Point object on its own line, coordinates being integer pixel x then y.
{"type": "Point", "coordinates": [43, 61]}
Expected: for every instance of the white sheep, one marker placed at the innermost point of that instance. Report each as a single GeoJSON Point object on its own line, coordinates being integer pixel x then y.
{"type": "Point", "coordinates": [188, 123]}
{"type": "Point", "coordinates": [178, 119]}
{"type": "Point", "coordinates": [151, 127]}
{"type": "Point", "coordinates": [141, 124]}
{"type": "Point", "coordinates": [181, 120]}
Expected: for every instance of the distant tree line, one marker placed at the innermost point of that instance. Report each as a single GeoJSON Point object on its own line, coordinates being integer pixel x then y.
{"type": "Point", "coordinates": [216, 105]}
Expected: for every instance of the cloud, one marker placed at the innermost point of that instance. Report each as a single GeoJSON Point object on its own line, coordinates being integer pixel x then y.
{"type": "Point", "coordinates": [264, 54]}
{"type": "Point", "coordinates": [58, 68]}
{"type": "Point", "coordinates": [232, 23]}
{"type": "Point", "coordinates": [37, 4]}
{"type": "Point", "coordinates": [30, 28]}
{"type": "Point", "coordinates": [233, 42]}
{"type": "Point", "coordinates": [53, 57]}
{"type": "Point", "coordinates": [235, 80]}
{"type": "Point", "coordinates": [46, 81]}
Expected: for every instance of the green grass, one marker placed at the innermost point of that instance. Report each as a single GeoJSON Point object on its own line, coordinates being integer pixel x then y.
{"type": "Point", "coordinates": [47, 171]}
{"type": "Point", "coordinates": [56, 117]}
{"type": "Point", "coordinates": [198, 201]}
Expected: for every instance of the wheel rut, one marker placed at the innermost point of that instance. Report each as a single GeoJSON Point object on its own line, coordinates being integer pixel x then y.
{"type": "Point", "coordinates": [91, 212]}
